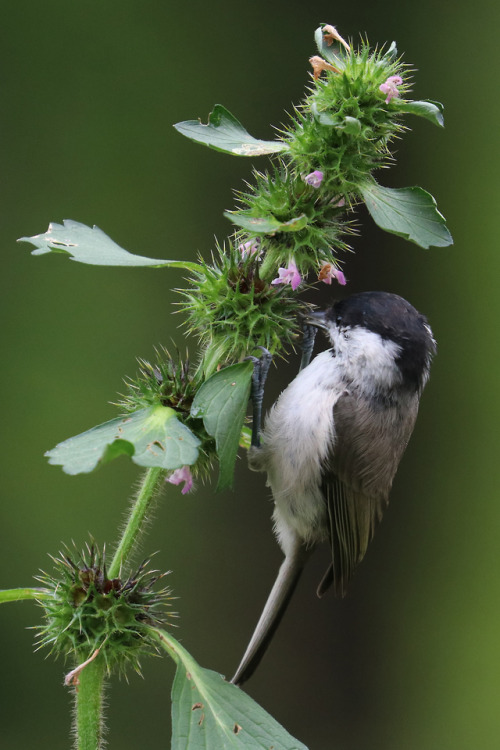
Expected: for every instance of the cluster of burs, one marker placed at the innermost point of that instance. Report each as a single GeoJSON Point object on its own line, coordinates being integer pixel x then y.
{"type": "Point", "coordinates": [293, 219]}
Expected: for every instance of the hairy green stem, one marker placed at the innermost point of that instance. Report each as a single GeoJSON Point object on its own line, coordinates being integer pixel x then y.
{"type": "Point", "coordinates": [135, 523]}
{"type": "Point", "coordinates": [89, 706]}
{"type": "Point", "coordinates": [17, 595]}
{"type": "Point", "coordinates": [89, 676]}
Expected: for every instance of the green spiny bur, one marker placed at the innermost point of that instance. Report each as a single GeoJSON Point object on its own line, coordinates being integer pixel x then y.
{"type": "Point", "coordinates": [343, 130]}
{"type": "Point", "coordinates": [344, 126]}
{"type": "Point", "coordinates": [284, 195]}
{"type": "Point", "coordinates": [87, 610]}
{"type": "Point", "coordinates": [166, 382]}
{"type": "Point", "coordinates": [232, 310]}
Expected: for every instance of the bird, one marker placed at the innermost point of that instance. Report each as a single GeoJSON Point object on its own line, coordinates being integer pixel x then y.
{"type": "Point", "coordinates": [333, 441]}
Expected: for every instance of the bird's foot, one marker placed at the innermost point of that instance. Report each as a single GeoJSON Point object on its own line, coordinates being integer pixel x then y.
{"type": "Point", "coordinates": [261, 367]}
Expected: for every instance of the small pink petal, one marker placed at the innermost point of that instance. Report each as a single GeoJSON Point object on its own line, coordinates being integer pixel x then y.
{"type": "Point", "coordinates": [288, 275]}
{"type": "Point", "coordinates": [390, 87]}
{"type": "Point", "coordinates": [247, 249]}
{"type": "Point", "coordinates": [338, 202]}
{"type": "Point", "coordinates": [314, 179]}
{"type": "Point", "coordinates": [182, 475]}
{"type": "Point", "coordinates": [329, 272]}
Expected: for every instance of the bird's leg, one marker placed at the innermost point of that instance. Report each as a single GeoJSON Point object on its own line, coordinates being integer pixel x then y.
{"type": "Point", "coordinates": [277, 602]}
{"type": "Point", "coordinates": [260, 370]}
{"type": "Point", "coordinates": [308, 339]}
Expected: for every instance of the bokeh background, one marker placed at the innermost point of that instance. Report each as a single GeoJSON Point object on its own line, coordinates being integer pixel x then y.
{"type": "Point", "coordinates": [89, 92]}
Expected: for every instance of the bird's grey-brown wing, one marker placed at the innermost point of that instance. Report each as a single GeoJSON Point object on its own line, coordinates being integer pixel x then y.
{"type": "Point", "coordinates": [370, 439]}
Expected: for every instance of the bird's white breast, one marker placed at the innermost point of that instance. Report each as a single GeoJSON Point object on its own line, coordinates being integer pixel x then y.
{"type": "Point", "coordinates": [300, 429]}
{"type": "Point", "coordinates": [298, 432]}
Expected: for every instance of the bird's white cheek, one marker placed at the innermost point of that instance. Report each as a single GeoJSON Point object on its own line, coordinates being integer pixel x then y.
{"type": "Point", "coordinates": [366, 359]}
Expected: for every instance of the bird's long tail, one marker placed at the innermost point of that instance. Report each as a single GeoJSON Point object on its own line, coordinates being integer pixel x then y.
{"type": "Point", "coordinates": [275, 607]}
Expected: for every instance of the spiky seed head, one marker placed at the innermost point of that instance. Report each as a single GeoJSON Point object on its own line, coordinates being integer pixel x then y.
{"type": "Point", "coordinates": [86, 610]}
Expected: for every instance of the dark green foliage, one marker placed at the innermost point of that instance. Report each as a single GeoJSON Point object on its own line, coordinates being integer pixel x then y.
{"type": "Point", "coordinates": [222, 404]}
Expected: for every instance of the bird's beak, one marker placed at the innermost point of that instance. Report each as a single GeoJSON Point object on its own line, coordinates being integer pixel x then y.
{"type": "Point", "coordinates": [316, 319]}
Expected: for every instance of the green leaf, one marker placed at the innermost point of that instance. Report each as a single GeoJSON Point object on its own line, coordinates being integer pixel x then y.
{"type": "Point", "coordinates": [225, 133]}
{"type": "Point", "coordinates": [351, 125]}
{"type": "Point", "coordinates": [17, 595]}
{"type": "Point", "coordinates": [90, 245]}
{"type": "Point", "coordinates": [408, 212]}
{"type": "Point", "coordinates": [222, 403]}
{"type": "Point", "coordinates": [266, 224]}
{"type": "Point", "coordinates": [432, 111]}
{"type": "Point", "coordinates": [323, 117]}
{"type": "Point", "coordinates": [209, 713]}
{"type": "Point", "coordinates": [151, 437]}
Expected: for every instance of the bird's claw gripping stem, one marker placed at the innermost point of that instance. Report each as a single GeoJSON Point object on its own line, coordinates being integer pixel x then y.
{"type": "Point", "coordinates": [259, 377]}
{"type": "Point", "coordinates": [308, 338]}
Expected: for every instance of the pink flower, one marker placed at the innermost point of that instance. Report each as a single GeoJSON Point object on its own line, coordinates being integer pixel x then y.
{"type": "Point", "coordinates": [288, 275]}
{"type": "Point", "coordinates": [390, 87]}
{"type": "Point", "coordinates": [247, 249]}
{"type": "Point", "coordinates": [314, 179]}
{"type": "Point", "coordinates": [182, 475]}
{"type": "Point", "coordinates": [338, 202]}
{"type": "Point", "coordinates": [329, 272]}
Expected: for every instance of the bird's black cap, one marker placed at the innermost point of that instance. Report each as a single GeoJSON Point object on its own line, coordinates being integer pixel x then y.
{"type": "Point", "coordinates": [392, 317]}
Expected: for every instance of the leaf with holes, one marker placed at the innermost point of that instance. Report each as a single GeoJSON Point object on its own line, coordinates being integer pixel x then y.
{"type": "Point", "coordinates": [92, 246]}
{"type": "Point", "coordinates": [151, 437]}
{"type": "Point", "coordinates": [209, 713]}
{"type": "Point", "coordinates": [225, 133]}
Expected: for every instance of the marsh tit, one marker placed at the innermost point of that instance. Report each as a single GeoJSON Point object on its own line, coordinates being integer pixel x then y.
{"type": "Point", "coordinates": [333, 441]}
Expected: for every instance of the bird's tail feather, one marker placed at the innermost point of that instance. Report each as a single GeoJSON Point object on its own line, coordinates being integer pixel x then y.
{"type": "Point", "coordinates": [272, 614]}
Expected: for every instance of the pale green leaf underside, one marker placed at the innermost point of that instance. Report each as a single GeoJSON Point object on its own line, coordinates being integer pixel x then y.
{"type": "Point", "coordinates": [408, 212]}
{"type": "Point", "coordinates": [152, 437]}
{"type": "Point", "coordinates": [432, 111]}
{"type": "Point", "coordinates": [225, 133]}
{"type": "Point", "coordinates": [92, 246]}
{"type": "Point", "coordinates": [266, 224]}
{"type": "Point", "coordinates": [222, 403]}
{"type": "Point", "coordinates": [209, 713]}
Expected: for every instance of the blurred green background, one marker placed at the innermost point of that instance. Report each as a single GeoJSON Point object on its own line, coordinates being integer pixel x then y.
{"type": "Point", "coordinates": [411, 658]}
